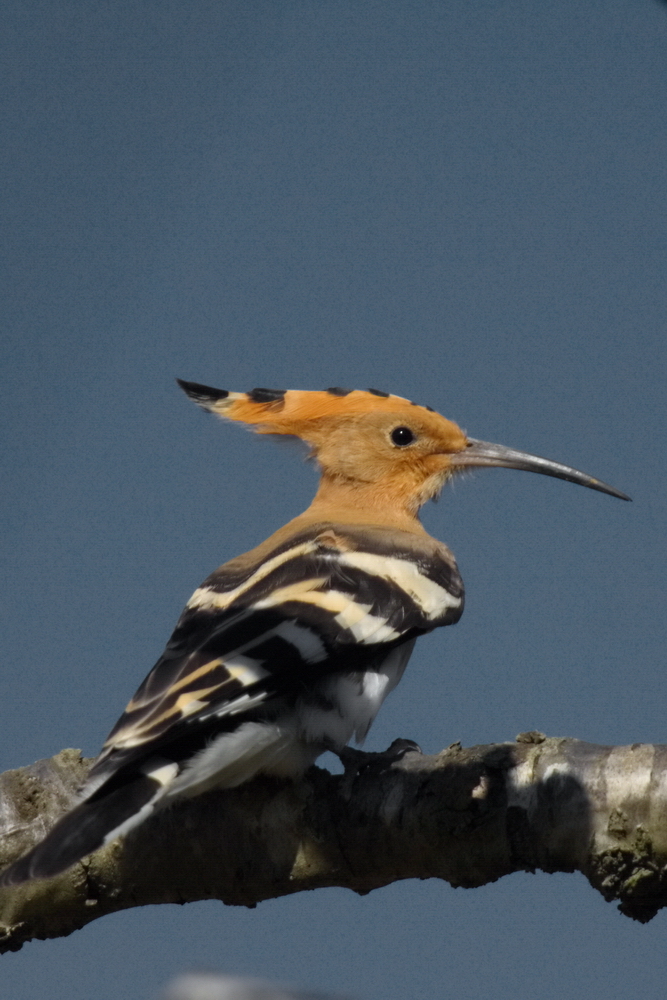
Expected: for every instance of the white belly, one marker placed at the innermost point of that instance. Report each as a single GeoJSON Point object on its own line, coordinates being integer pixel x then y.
{"type": "Point", "coordinates": [356, 700]}
{"type": "Point", "coordinates": [288, 746]}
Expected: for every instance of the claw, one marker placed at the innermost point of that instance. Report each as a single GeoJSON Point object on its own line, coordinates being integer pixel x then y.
{"type": "Point", "coordinates": [356, 761]}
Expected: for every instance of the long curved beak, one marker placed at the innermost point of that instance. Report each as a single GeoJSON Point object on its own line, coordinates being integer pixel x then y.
{"type": "Point", "coordinates": [480, 453]}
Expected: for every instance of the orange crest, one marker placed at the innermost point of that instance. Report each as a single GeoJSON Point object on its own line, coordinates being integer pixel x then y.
{"type": "Point", "coordinates": [293, 411]}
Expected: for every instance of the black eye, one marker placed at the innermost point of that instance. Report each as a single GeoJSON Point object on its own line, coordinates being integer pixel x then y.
{"type": "Point", "coordinates": [402, 436]}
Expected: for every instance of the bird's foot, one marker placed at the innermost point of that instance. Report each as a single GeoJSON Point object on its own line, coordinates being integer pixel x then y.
{"type": "Point", "coordinates": [356, 761]}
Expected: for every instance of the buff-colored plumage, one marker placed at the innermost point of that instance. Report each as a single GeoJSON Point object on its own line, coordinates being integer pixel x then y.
{"type": "Point", "coordinates": [364, 473]}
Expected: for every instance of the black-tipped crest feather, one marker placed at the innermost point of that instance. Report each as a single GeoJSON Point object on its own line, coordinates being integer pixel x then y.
{"type": "Point", "coordinates": [203, 395]}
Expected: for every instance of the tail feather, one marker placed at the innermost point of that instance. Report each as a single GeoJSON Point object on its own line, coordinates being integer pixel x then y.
{"type": "Point", "coordinates": [88, 826]}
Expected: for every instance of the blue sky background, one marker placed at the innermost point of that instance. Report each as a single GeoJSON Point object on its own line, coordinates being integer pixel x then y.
{"type": "Point", "coordinates": [463, 203]}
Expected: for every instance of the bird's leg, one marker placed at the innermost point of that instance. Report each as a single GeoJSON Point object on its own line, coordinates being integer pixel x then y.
{"type": "Point", "coordinates": [356, 761]}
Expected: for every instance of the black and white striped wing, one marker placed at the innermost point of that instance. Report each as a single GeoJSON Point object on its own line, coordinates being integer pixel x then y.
{"type": "Point", "coordinates": [310, 629]}
{"type": "Point", "coordinates": [261, 635]}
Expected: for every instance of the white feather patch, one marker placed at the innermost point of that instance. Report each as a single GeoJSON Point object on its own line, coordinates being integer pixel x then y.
{"type": "Point", "coordinates": [308, 643]}
{"type": "Point", "coordinates": [233, 758]}
{"type": "Point", "coordinates": [429, 595]}
{"type": "Point", "coordinates": [356, 699]}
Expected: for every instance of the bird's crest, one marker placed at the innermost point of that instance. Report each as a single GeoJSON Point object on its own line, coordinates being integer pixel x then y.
{"type": "Point", "coordinates": [292, 411]}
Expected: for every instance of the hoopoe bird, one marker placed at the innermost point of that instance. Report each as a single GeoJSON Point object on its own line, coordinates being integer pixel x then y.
{"type": "Point", "coordinates": [290, 649]}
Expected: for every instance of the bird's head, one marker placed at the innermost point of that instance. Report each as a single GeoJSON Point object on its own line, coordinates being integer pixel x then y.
{"type": "Point", "coordinates": [380, 448]}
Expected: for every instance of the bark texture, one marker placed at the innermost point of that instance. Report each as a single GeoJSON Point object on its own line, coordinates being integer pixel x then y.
{"type": "Point", "coordinates": [467, 816]}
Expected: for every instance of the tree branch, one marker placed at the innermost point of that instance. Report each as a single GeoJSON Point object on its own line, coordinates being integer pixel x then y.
{"type": "Point", "coordinates": [466, 816]}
